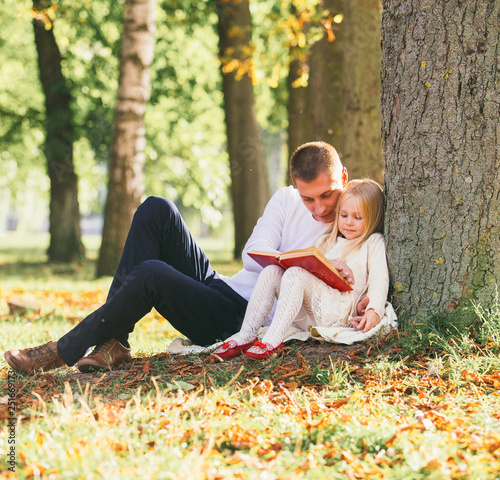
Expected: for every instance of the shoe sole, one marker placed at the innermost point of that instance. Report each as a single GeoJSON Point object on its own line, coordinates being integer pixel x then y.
{"type": "Point", "coordinates": [98, 368]}
{"type": "Point", "coordinates": [94, 368]}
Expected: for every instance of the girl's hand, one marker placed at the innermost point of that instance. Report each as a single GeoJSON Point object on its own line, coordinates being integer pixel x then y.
{"type": "Point", "coordinates": [369, 320]}
{"type": "Point", "coordinates": [344, 269]}
{"type": "Point", "coordinates": [361, 307]}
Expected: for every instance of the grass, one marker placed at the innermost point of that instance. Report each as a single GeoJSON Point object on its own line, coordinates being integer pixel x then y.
{"type": "Point", "coordinates": [422, 403]}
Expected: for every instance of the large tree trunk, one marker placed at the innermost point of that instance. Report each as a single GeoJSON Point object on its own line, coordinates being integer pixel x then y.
{"type": "Point", "coordinates": [361, 146]}
{"type": "Point", "coordinates": [440, 110]}
{"type": "Point", "coordinates": [315, 108]}
{"type": "Point", "coordinates": [126, 178]}
{"type": "Point", "coordinates": [64, 216]}
{"type": "Point", "coordinates": [250, 191]}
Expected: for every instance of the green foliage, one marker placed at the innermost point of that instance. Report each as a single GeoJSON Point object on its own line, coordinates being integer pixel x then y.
{"type": "Point", "coordinates": [487, 326]}
{"type": "Point", "coordinates": [23, 134]}
{"type": "Point", "coordinates": [21, 106]}
{"type": "Point", "coordinates": [186, 155]}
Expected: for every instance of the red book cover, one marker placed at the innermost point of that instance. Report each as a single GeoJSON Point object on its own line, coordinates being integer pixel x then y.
{"type": "Point", "coordinates": [311, 259]}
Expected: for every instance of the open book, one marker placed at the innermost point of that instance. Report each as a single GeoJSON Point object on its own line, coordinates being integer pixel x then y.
{"type": "Point", "coordinates": [311, 259]}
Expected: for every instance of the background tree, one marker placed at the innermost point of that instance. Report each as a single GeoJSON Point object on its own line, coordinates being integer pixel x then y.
{"type": "Point", "coordinates": [126, 181]}
{"type": "Point", "coordinates": [186, 156]}
{"type": "Point", "coordinates": [315, 78]}
{"type": "Point", "coordinates": [334, 81]}
{"type": "Point", "coordinates": [361, 144]}
{"type": "Point", "coordinates": [186, 153]}
{"type": "Point", "coordinates": [249, 186]}
{"type": "Point", "coordinates": [440, 110]}
{"type": "Point", "coordinates": [65, 235]}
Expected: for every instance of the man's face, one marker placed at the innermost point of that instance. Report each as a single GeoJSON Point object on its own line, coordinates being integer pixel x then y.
{"type": "Point", "coordinates": [320, 196]}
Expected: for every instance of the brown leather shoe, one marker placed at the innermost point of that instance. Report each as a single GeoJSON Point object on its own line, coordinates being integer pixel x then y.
{"type": "Point", "coordinates": [30, 360]}
{"type": "Point", "coordinates": [104, 357]}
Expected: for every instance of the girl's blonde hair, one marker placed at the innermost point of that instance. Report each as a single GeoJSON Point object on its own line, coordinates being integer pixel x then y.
{"type": "Point", "coordinates": [370, 197]}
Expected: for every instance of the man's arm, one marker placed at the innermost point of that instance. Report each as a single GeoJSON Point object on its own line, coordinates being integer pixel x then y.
{"type": "Point", "coordinates": [267, 233]}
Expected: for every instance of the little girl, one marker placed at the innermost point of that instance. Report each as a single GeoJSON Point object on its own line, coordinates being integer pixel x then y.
{"type": "Point", "coordinates": [356, 238]}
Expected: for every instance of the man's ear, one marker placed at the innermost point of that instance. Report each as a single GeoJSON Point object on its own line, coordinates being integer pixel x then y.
{"type": "Point", "coordinates": [345, 176]}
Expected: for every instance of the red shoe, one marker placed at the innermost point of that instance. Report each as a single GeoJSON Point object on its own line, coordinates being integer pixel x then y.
{"type": "Point", "coordinates": [262, 350]}
{"type": "Point", "coordinates": [231, 349]}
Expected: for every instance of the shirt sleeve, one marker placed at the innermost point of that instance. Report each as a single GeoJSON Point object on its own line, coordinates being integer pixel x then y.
{"type": "Point", "coordinates": [267, 234]}
{"type": "Point", "coordinates": [378, 274]}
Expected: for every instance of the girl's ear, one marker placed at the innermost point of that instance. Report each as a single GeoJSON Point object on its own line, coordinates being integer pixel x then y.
{"type": "Point", "coordinates": [345, 176]}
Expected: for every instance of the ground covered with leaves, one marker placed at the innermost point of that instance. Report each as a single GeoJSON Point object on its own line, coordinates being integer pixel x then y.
{"type": "Point", "coordinates": [422, 402]}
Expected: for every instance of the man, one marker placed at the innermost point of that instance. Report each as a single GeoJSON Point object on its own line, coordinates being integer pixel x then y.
{"type": "Point", "coordinates": [162, 267]}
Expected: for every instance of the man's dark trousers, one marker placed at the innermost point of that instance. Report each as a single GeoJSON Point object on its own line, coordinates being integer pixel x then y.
{"type": "Point", "coordinates": [161, 267]}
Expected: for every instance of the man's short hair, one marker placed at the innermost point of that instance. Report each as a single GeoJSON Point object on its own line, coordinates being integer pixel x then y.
{"type": "Point", "coordinates": [313, 158]}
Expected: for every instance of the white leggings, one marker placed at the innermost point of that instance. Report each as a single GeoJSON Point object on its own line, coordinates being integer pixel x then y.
{"type": "Point", "coordinates": [295, 288]}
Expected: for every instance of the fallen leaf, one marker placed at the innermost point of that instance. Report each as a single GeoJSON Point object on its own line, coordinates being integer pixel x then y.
{"type": "Point", "coordinates": [348, 456]}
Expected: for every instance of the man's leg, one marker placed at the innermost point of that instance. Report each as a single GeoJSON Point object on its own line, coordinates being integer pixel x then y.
{"type": "Point", "coordinates": [203, 311]}
{"type": "Point", "coordinates": [158, 232]}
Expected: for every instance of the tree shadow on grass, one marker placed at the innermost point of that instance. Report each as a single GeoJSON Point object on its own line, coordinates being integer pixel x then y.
{"type": "Point", "coordinates": [299, 364]}
{"type": "Point", "coordinates": [84, 270]}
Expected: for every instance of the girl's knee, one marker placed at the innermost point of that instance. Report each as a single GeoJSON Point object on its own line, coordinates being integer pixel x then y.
{"type": "Point", "coordinates": [294, 271]}
{"type": "Point", "coordinates": [296, 274]}
{"type": "Point", "coordinates": [272, 271]}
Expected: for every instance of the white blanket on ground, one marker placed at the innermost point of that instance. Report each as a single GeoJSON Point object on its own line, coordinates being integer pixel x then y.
{"type": "Point", "coordinates": [343, 335]}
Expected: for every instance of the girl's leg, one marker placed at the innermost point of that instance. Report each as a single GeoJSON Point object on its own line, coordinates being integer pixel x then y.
{"type": "Point", "coordinates": [260, 304]}
{"type": "Point", "coordinates": [296, 289]}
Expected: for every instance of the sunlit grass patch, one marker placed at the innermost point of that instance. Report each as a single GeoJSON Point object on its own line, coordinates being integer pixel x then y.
{"type": "Point", "coordinates": [261, 431]}
{"type": "Point", "coordinates": [420, 403]}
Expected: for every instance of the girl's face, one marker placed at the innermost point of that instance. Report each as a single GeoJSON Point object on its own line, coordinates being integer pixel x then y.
{"type": "Point", "coordinates": [351, 221]}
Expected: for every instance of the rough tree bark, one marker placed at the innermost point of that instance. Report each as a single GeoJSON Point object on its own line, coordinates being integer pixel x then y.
{"type": "Point", "coordinates": [249, 188]}
{"type": "Point", "coordinates": [361, 145]}
{"type": "Point", "coordinates": [440, 110]}
{"type": "Point", "coordinates": [64, 212]}
{"type": "Point", "coordinates": [126, 177]}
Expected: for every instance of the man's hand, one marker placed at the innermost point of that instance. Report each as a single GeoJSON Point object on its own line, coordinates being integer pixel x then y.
{"type": "Point", "coordinates": [344, 269]}
{"type": "Point", "coordinates": [366, 322]}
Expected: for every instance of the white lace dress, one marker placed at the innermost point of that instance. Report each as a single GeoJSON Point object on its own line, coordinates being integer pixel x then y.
{"type": "Point", "coordinates": [305, 300]}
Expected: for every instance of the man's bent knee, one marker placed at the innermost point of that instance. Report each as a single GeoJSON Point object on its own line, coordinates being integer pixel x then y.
{"type": "Point", "coordinates": [153, 205]}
